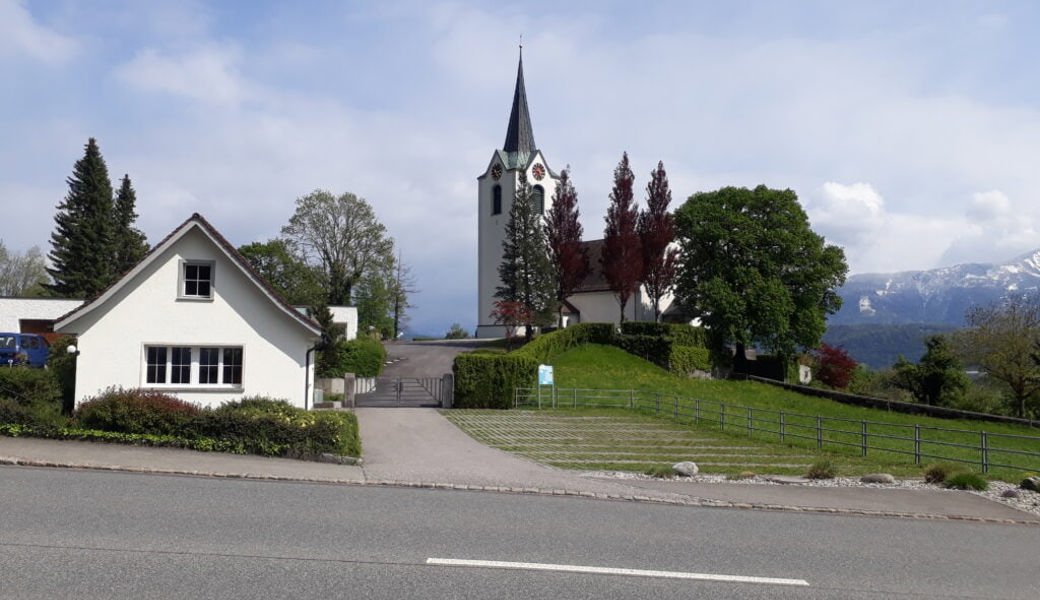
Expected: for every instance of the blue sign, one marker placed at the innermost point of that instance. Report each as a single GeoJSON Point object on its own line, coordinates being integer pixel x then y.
{"type": "Point", "coordinates": [545, 375]}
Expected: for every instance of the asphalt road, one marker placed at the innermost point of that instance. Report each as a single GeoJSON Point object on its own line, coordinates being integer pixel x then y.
{"type": "Point", "coordinates": [80, 534]}
{"type": "Point", "coordinates": [425, 359]}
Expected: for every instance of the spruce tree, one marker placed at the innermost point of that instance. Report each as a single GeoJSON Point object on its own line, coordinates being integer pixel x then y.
{"type": "Point", "coordinates": [656, 231]}
{"type": "Point", "coordinates": [129, 245]}
{"type": "Point", "coordinates": [622, 259]}
{"type": "Point", "coordinates": [526, 273]}
{"type": "Point", "coordinates": [81, 254]}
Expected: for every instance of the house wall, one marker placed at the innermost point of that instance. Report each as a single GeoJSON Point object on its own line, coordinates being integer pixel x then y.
{"type": "Point", "coordinates": [347, 316]}
{"type": "Point", "coordinates": [602, 307]}
{"type": "Point", "coordinates": [13, 310]}
{"type": "Point", "coordinates": [147, 311]}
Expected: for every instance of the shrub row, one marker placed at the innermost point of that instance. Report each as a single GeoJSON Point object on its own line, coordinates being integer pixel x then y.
{"type": "Point", "coordinates": [488, 380]}
{"type": "Point", "coordinates": [26, 385]}
{"type": "Point", "coordinates": [250, 426]}
{"type": "Point", "coordinates": [687, 359]}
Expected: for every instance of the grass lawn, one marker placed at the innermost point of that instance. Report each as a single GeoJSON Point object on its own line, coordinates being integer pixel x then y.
{"type": "Point", "coordinates": [605, 367]}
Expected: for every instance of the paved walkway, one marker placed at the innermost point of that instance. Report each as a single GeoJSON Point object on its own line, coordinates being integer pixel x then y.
{"type": "Point", "coordinates": [419, 447]}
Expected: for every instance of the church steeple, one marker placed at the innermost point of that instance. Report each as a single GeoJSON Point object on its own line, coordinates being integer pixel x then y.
{"type": "Point", "coordinates": [519, 135]}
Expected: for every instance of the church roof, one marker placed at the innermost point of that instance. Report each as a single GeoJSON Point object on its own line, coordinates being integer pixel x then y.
{"type": "Point", "coordinates": [519, 144]}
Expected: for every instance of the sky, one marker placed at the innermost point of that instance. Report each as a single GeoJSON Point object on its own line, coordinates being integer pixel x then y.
{"type": "Point", "coordinates": [909, 130]}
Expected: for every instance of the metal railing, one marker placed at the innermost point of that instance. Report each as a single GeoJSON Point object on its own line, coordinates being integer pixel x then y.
{"type": "Point", "coordinates": [976, 447]}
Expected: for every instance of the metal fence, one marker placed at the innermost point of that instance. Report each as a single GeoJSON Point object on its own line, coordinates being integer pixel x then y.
{"type": "Point", "coordinates": [987, 449]}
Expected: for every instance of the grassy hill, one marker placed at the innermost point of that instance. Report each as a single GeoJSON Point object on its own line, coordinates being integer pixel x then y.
{"type": "Point", "coordinates": [605, 367]}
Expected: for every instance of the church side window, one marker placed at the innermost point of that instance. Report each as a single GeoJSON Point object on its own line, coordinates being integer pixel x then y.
{"type": "Point", "coordinates": [496, 200]}
{"type": "Point", "coordinates": [538, 195]}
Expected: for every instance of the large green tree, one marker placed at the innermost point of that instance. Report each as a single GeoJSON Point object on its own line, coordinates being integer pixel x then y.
{"type": "Point", "coordinates": [937, 379]}
{"type": "Point", "coordinates": [1000, 339]}
{"type": "Point", "coordinates": [526, 272]}
{"type": "Point", "coordinates": [129, 244]}
{"type": "Point", "coordinates": [753, 271]}
{"type": "Point", "coordinates": [342, 237]}
{"type": "Point", "coordinates": [285, 271]}
{"type": "Point", "coordinates": [81, 254]}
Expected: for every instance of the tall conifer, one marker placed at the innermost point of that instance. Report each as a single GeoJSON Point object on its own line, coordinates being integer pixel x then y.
{"type": "Point", "coordinates": [130, 245]}
{"type": "Point", "coordinates": [570, 259]}
{"type": "Point", "coordinates": [81, 253]}
{"type": "Point", "coordinates": [656, 229]}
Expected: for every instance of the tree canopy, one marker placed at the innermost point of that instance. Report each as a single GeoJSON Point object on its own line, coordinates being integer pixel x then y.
{"type": "Point", "coordinates": [22, 274]}
{"type": "Point", "coordinates": [656, 228]}
{"type": "Point", "coordinates": [622, 259]}
{"type": "Point", "coordinates": [1000, 340]}
{"type": "Point", "coordinates": [94, 240]}
{"type": "Point", "coordinates": [753, 271]}
{"type": "Point", "coordinates": [342, 237]}
{"type": "Point", "coordinates": [569, 257]}
{"type": "Point", "coordinates": [285, 271]}
{"type": "Point", "coordinates": [938, 379]}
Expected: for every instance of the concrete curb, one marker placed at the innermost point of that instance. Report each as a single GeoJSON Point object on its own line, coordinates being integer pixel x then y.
{"type": "Point", "coordinates": [673, 501]}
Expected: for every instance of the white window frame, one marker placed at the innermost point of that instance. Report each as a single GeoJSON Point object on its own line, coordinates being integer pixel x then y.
{"type": "Point", "coordinates": [194, 375]}
{"type": "Point", "coordinates": [182, 279]}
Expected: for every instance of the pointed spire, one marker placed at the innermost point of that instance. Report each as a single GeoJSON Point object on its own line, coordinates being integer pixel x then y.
{"type": "Point", "coordinates": [520, 136]}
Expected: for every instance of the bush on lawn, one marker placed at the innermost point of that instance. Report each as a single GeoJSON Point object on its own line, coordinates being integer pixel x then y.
{"type": "Point", "coordinates": [27, 385]}
{"type": "Point", "coordinates": [363, 357]}
{"type": "Point", "coordinates": [940, 472]}
{"type": "Point", "coordinates": [966, 481]}
{"type": "Point", "coordinates": [136, 411]}
{"type": "Point", "coordinates": [821, 469]}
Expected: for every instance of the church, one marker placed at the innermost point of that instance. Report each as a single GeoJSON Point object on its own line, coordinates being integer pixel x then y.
{"type": "Point", "coordinates": [593, 302]}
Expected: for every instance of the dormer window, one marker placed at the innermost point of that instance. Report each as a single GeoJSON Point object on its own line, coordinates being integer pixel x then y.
{"type": "Point", "coordinates": [196, 279]}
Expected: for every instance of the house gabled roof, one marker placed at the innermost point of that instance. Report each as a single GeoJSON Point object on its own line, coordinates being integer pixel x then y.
{"type": "Point", "coordinates": [195, 221]}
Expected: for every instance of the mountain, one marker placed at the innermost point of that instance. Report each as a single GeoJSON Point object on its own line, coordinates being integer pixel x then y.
{"type": "Point", "coordinates": [879, 346]}
{"type": "Point", "coordinates": [935, 297]}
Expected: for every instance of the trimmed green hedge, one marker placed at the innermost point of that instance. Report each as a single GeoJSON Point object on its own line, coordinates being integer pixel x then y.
{"type": "Point", "coordinates": [687, 359]}
{"type": "Point", "coordinates": [544, 347]}
{"type": "Point", "coordinates": [363, 357]}
{"type": "Point", "coordinates": [653, 348]}
{"type": "Point", "coordinates": [488, 380]}
{"type": "Point", "coordinates": [27, 385]}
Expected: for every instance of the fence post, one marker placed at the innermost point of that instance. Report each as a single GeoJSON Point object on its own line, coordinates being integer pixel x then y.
{"type": "Point", "coordinates": [675, 400]}
{"type": "Point", "coordinates": [631, 399]}
{"type": "Point", "coordinates": [917, 444]}
{"type": "Point", "coordinates": [863, 437]}
{"type": "Point", "coordinates": [398, 387]}
{"type": "Point", "coordinates": [782, 432]}
{"type": "Point", "coordinates": [575, 403]}
{"type": "Point", "coordinates": [722, 417]}
{"type": "Point", "coordinates": [539, 395]}
{"type": "Point", "coordinates": [750, 420]}
{"type": "Point", "coordinates": [658, 402]}
{"type": "Point", "coordinates": [697, 410]}
{"type": "Point", "coordinates": [819, 433]}
{"type": "Point", "coordinates": [985, 451]}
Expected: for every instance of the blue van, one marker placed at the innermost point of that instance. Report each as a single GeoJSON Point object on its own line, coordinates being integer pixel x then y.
{"type": "Point", "coordinates": [23, 349]}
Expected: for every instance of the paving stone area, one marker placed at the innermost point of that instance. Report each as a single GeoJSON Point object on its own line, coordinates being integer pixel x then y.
{"type": "Point", "coordinates": [623, 442]}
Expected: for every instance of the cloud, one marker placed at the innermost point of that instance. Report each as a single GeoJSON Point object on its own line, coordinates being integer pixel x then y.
{"type": "Point", "coordinates": [847, 214]}
{"type": "Point", "coordinates": [995, 230]}
{"type": "Point", "coordinates": [207, 74]}
{"type": "Point", "coordinates": [21, 35]}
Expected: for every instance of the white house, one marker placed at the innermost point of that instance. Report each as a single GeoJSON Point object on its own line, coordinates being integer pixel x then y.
{"type": "Point", "coordinates": [496, 190]}
{"type": "Point", "coordinates": [33, 315]}
{"type": "Point", "coordinates": [195, 320]}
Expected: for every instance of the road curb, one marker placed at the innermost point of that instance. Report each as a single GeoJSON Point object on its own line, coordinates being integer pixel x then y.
{"type": "Point", "coordinates": [673, 499]}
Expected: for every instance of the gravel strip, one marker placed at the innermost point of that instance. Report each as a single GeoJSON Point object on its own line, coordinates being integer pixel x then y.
{"type": "Point", "coordinates": [1027, 501]}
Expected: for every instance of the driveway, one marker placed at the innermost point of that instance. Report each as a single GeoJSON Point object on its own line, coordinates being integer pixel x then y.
{"type": "Point", "coordinates": [424, 359]}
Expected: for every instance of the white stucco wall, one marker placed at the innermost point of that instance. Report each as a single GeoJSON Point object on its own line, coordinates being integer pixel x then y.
{"type": "Point", "coordinates": [602, 307]}
{"type": "Point", "coordinates": [347, 316]}
{"type": "Point", "coordinates": [148, 312]}
{"type": "Point", "coordinates": [491, 233]}
{"type": "Point", "coordinates": [13, 310]}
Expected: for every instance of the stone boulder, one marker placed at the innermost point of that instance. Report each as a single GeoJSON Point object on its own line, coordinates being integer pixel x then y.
{"type": "Point", "coordinates": [878, 478]}
{"type": "Point", "coordinates": [1031, 483]}
{"type": "Point", "coordinates": [686, 468]}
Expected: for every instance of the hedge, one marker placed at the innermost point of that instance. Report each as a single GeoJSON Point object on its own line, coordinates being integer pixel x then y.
{"type": "Point", "coordinates": [488, 380]}
{"type": "Point", "coordinates": [363, 357]}
{"type": "Point", "coordinates": [27, 385]}
{"type": "Point", "coordinates": [686, 359]}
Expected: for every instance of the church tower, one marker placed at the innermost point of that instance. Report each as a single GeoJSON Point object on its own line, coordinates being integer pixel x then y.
{"type": "Point", "coordinates": [496, 189]}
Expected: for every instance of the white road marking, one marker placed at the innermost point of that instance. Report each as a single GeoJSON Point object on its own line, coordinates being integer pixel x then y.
{"type": "Point", "coordinates": [497, 564]}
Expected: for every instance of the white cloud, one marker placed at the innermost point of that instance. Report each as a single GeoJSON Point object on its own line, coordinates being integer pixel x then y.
{"type": "Point", "coordinates": [996, 230]}
{"type": "Point", "coordinates": [20, 34]}
{"type": "Point", "coordinates": [847, 214]}
{"type": "Point", "coordinates": [206, 74]}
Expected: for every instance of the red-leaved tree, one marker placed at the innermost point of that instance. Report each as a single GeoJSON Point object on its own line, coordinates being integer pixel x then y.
{"type": "Point", "coordinates": [511, 315]}
{"type": "Point", "coordinates": [622, 259]}
{"type": "Point", "coordinates": [570, 259]}
{"type": "Point", "coordinates": [656, 230]}
{"type": "Point", "coordinates": [835, 366]}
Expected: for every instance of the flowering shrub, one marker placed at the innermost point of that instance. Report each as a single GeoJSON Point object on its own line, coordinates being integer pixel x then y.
{"type": "Point", "coordinates": [136, 411]}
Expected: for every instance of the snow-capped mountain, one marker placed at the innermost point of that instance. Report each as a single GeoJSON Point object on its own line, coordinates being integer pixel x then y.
{"type": "Point", "coordinates": [938, 296]}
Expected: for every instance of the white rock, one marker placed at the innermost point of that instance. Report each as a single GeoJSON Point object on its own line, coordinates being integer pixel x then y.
{"type": "Point", "coordinates": [686, 468]}
{"type": "Point", "coordinates": [878, 478]}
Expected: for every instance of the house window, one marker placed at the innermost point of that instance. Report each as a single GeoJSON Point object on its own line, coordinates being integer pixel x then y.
{"type": "Point", "coordinates": [496, 200]}
{"type": "Point", "coordinates": [199, 366]}
{"type": "Point", "coordinates": [197, 279]}
{"type": "Point", "coordinates": [538, 197]}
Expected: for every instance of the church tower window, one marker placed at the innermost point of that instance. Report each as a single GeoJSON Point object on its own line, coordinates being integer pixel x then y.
{"type": "Point", "coordinates": [496, 200]}
{"type": "Point", "coordinates": [538, 197]}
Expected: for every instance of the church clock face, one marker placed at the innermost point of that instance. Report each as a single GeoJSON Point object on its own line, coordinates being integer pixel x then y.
{"type": "Point", "coordinates": [538, 171]}
{"type": "Point", "coordinates": [496, 171]}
